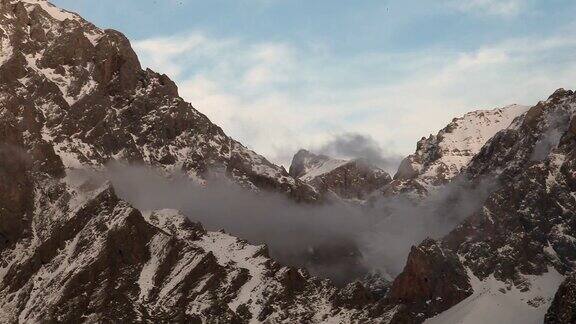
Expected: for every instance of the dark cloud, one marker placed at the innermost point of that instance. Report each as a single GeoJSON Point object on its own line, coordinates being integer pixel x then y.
{"type": "Point", "coordinates": [358, 146]}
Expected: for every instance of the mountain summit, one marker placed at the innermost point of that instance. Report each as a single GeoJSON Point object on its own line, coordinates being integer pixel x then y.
{"type": "Point", "coordinates": [87, 96]}
{"type": "Point", "coordinates": [351, 180]}
{"type": "Point", "coordinates": [440, 158]}
{"type": "Point", "coordinates": [75, 97]}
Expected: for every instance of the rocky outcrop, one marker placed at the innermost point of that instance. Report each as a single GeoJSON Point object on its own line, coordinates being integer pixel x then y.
{"type": "Point", "coordinates": [523, 231]}
{"type": "Point", "coordinates": [563, 308]}
{"type": "Point", "coordinates": [526, 226]}
{"type": "Point", "coordinates": [432, 281]}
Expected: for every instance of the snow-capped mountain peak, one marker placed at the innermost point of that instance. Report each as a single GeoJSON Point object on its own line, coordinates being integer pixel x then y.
{"type": "Point", "coordinates": [439, 158]}
{"type": "Point", "coordinates": [307, 166]}
{"type": "Point", "coordinates": [73, 96]}
{"type": "Point", "coordinates": [54, 12]}
{"type": "Point", "coordinates": [347, 179]}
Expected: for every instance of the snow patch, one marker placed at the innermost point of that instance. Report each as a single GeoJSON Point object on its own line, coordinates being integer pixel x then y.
{"type": "Point", "coordinates": [495, 302]}
{"type": "Point", "coordinates": [53, 11]}
{"type": "Point", "coordinates": [322, 168]}
{"type": "Point", "coordinates": [230, 250]}
{"type": "Point", "coordinates": [6, 50]}
{"type": "Point", "coordinates": [156, 247]}
{"type": "Point", "coordinates": [470, 133]}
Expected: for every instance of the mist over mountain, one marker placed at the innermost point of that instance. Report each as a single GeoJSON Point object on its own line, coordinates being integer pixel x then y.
{"type": "Point", "coordinates": [358, 146]}
{"type": "Point", "coordinates": [378, 235]}
{"type": "Point", "coordinates": [121, 202]}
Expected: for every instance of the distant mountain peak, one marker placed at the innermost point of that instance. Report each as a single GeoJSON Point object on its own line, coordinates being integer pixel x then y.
{"type": "Point", "coordinates": [352, 179]}
{"type": "Point", "coordinates": [306, 165]}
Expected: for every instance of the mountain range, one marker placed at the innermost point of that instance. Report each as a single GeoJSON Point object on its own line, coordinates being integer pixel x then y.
{"type": "Point", "coordinates": [75, 97]}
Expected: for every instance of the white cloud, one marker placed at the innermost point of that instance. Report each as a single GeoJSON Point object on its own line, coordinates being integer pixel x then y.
{"type": "Point", "coordinates": [271, 63]}
{"type": "Point", "coordinates": [166, 53]}
{"type": "Point", "coordinates": [493, 7]}
{"type": "Point", "coordinates": [277, 98]}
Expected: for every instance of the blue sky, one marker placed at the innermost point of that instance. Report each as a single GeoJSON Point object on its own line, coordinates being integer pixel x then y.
{"type": "Point", "coordinates": [283, 74]}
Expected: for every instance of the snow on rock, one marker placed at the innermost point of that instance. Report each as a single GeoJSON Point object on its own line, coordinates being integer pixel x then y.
{"type": "Point", "coordinates": [352, 180]}
{"type": "Point", "coordinates": [230, 251]}
{"type": "Point", "coordinates": [53, 11]}
{"type": "Point", "coordinates": [307, 166]}
{"type": "Point", "coordinates": [494, 301]}
{"type": "Point", "coordinates": [159, 262]}
{"type": "Point", "coordinates": [439, 158]}
{"type": "Point", "coordinates": [465, 136]}
{"type": "Point", "coordinates": [157, 248]}
{"type": "Point", "coordinates": [5, 46]}
{"type": "Point", "coordinates": [109, 108]}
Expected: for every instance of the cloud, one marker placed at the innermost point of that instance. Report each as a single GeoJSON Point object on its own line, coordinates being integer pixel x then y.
{"type": "Point", "coordinates": [168, 54]}
{"type": "Point", "coordinates": [270, 63]}
{"type": "Point", "coordinates": [278, 97]}
{"type": "Point", "coordinates": [506, 8]}
{"type": "Point", "coordinates": [550, 138]}
{"type": "Point", "coordinates": [358, 146]}
{"type": "Point", "coordinates": [382, 233]}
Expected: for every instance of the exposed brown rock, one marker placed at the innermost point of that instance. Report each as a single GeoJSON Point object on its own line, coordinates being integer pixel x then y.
{"type": "Point", "coordinates": [16, 193]}
{"type": "Point", "coordinates": [432, 281]}
{"type": "Point", "coordinates": [355, 295]}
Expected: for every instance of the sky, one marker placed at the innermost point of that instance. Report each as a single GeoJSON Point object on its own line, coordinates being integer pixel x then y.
{"type": "Point", "coordinates": [280, 75]}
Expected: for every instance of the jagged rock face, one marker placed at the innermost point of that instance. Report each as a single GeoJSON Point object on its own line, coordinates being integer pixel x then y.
{"type": "Point", "coordinates": [525, 229]}
{"type": "Point", "coordinates": [350, 180]}
{"type": "Point", "coordinates": [432, 281]}
{"type": "Point", "coordinates": [563, 308]}
{"type": "Point", "coordinates": [82, 90]}
{"type": "Point", "coordinates": [439, 158]}
{"type": "Point", "coordinates": [74, 96]}
{"type": "Point", "coordinates": [528, 225]}
{"type": "Point", "coordinates": [15, 192]}
{"type": "Point", "coordinates": [71, 254]}
{"type": "Point", "coordinates": [64, 252]}
{"type": "Point", "coordinates": [75, 264]}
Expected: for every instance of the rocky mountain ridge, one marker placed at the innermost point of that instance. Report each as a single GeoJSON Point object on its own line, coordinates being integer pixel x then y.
{"type": "Point", "coordinates": [63, 252]}
{"type": "Point", "coordinates": [516, 249]}
{"type": "Point", "coordinates": [82, 90]}
{"type": "Point", "coordinates": [440, 158]}
{"type": "Point", "coordinates": [346, 179]}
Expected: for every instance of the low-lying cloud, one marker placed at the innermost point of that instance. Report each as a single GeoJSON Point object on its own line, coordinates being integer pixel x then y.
{"type": "Point", "coordinates": [321, 237]}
